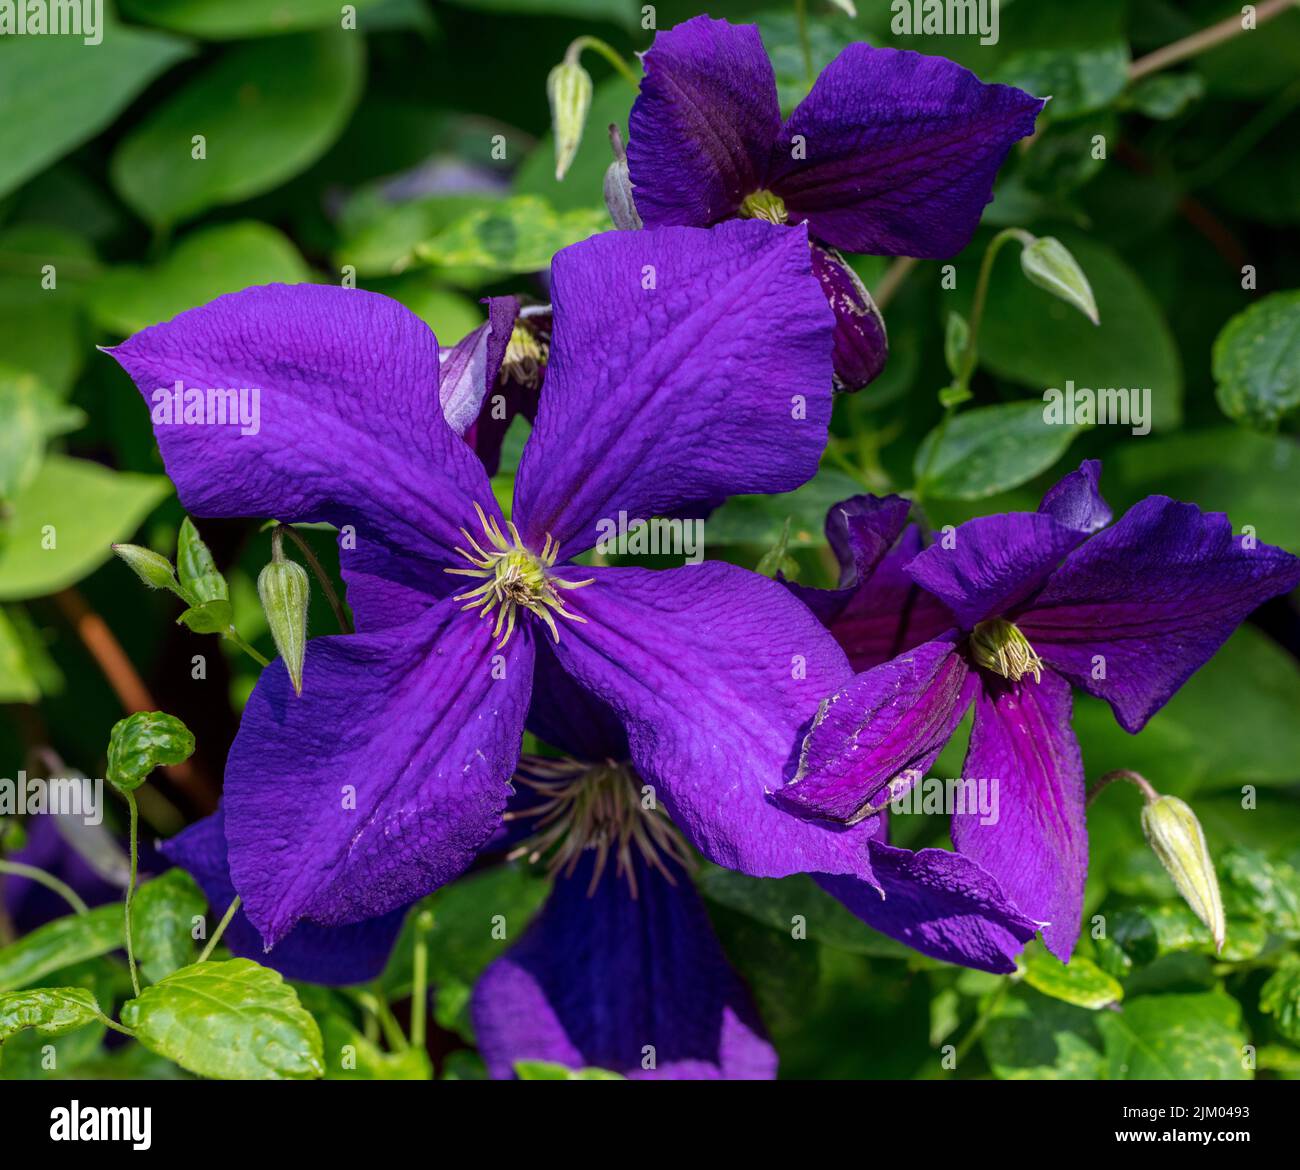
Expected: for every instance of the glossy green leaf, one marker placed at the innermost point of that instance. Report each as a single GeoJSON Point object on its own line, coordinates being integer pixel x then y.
{"type": "Point", "coordinates": [50, 1010]}
{"type": "Point", "coordinates": [234, 1020]}
{"type": "Point", "coordinates": [65, 523]}
{"type": "Point", "coordinates": [1078, 81]}
{"type": "Point", "coordinates": [349, 1056]}
{"type": "Point", "coordinates": [198, 572]}
{"type": "Point", "coordinates": [204, 265]}
{"type": "Point", "coordinates": [144, 741]}
{"type": "Point", "coordinates": [1032, 1038]}
{"type": "Point", "coordinates": [241, 18]}
{"type": "Point", "coordinates": [517, 235]}
{"type": "Point", "coordinates": [1280, 997]}
{"type": "Point", "coordinates": [58, 91]}
{"type": "Point", "coordinates": [17, 682]}
{"type": "Point", "coordinates": [545, 1070]}
{"type": "Point", "coordinates": [266, 111]}
{"type": "Point", "coordinates": [208, 617]}
{"type": "Point", "coordinates": [1175, 1037]}
{"type": "Point", "coordinates": [29, 415]}
{"type": "Point", "coordinates": [1257, 361]}
{"type": "Point", "coordinates": [988, 449]}
{"type": "Point", "coordinates": [61, 943]}
{"type": "Point", "coordinates": [162, 923]}
{"type": "Point", "coordinates": [1080, 982]}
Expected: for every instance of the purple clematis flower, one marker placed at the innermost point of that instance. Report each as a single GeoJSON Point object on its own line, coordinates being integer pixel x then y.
{"type": "Point", "coordinates": [1041, 601]}
{"type": "Point", "coordinates": [666, 384]}
{"type": "Point", "coordinates": [891, 153]}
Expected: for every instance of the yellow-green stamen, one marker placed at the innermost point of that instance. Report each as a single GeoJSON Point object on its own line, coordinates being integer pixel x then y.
{"type": "Point", "coordinates": [517, 578]}
{"type": "Point", "coordinates": [764, 205]}
{"type": "Point", "coordinates": [525, 358]}
{"type": "Point", "coordinates": [999, 646]}
{"type": "Point", "coordinates": [599, 807]}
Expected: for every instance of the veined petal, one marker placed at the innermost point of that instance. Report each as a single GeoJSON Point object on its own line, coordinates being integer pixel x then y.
{"type": "Point", "coordinates": [384, 779]}
{"type": "Point", "coordinates": [703, 126]}
{"type": "Point", "coordinates": [894, 153]}
{"type": "Point", "coordinates": [715, 673]}
{"type": "Point", "coordinates": [616, 982]}
{"type": "Point", "coordinates": [1133, 613]}
{"type": "Point", "coordinates": [470, 368]}
{"type": "Point", "coordinates": [1076, 500]}
{"type": "Point", "coordinates": [713, 382]}
{"type": "Point", "coordinates": [318, 954]}
{"type": "Point", "coordinates": [569, 717]}
{"type": "Point", "coordinates": [1037, 848]}
{"type": "Point", "coordinates": [860, 343]}
{"type": "Point", "coordinates": [347, 427]}
{"type": "Point", "coordinates": [876, 736]}
{"type": "Point", "coordinates": [940, 903]}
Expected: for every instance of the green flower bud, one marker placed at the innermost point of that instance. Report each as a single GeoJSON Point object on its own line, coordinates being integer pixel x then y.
{"type": "Point", "coordinates": [1175, 835]}
{"type": "Point", "coordinates": [285, 590]}
{"type": "Point", "coordinates": [152, 568]}
{"type": "Point", "coordinates": [1048, 263]}
{"type": "Point", "coordinates": [568, 89]}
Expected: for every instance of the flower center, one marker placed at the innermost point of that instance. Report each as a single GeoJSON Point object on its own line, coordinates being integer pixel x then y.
{"type": "Point", "coordinates": [999, 646]}
{"type": "Point", "coordinates": [516, 578]}
{"type": "Point", "coordinates": [600, 807]}
{"type": "Point", "coordinates": [764, 205]}
{"type": "Point", "coordinates": [525, 358]}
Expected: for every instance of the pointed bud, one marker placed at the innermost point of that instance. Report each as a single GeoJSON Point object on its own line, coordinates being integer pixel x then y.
{"type": "Point", "coordinates": [618, 188]}
{"type": "Point", "coordinates": [153, 569]}
{"type": "Point", "coordinates": [1175, 835]}
{"type": "Point", "coordinates": [285, 591]}
{"type": "Point", "coordinates": [568, 89]}
{"type": "Point", "coordinates": [1048, 263]}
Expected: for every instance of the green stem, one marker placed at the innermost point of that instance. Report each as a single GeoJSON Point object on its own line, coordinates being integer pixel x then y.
{"type": "Point", "coordinates": [981, 1022]}
{"type": "Point", "coordinates": [48, 880]}
{"type": "Point", "coordinates": [221, 929]}
{"type": "Point", "coordinates": [606, 50]}
{"type": "Point", "coordinates": [805, 42]}
{"type": "Point", "coordinates": [1135, 778]}
{"type": "Point", "coordinates": [420, 978]}
{"type": "Point", "coordinates": [313, 562]}
{"type": "Point", "coordinates": [233, 635]}
{"type": "Point", "coordinates": [377, 1005]}
{"type": "Point", "coordinates": [130, 889]}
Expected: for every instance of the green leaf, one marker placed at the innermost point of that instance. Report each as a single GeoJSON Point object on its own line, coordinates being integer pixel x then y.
{"type": "Point", "coordinates": [1280, 997]}
{"type": "Point", "coordinates": [1175, 1037]}
{"type": "Point", "coordinates": [1080, 982]}
{"type": "Point", "coordinates": [56, 92]}
{"type": "Point", "coordinates": [517, 235]}
{"type": "Point", "coordinates": [1078, 81]}
{"type": "Point", "coordinates": [1262, 888]}
{"type": "Point", "coordinates": [1032, 1038]}
{"type": "Point", "coordinates": [956, 340]}
{"type": "Point", "coordinates": [349, 1056]}
{"type": "Point", "coordinates": [59, 944]}
{"type": "Point", "coordinates": [198, 572]}
{"type": "Point", "coordinates": [1043, 343]}
{"type": "Point", "coordinates": [207, 263]}
{"type": "Point", "coordinates": [989, 449]}
{"type": "Point", "coordinates": [142, 742]}
{"type": "Point", "coordinates": [209, 617]}
{"type": "Point", "coordinates": [1165, 95]}
{"type": "Point", "coordinates": [1148, 933]}
{"type": "Point", "coordinates": [162, 920]}
{"type": "Point", "coordinates": [240, 18]}
{"type": "Point", "coordinates": [546, 1070]}
{"type": "Point", "coordinates": [234, 1020]}
{"type": "Point", "coordinates": [1048, 264]}
{"type": "Point", "coordinates": [50, 1010]}
{"type": "Point", "coordinates": [29, 414]}
{"type": "Point", "coordinates": [1257, 361]}
{"type": "Point", "coordinates": [379, 237]}
{"type": "Point", "coordinates": [17, 682]}
{"type": "Point", "coordinates": [760, 520]}
{"type": "Point", "coordinates": [267, 110]}
{"type": "Point", "coordinates": [64, 524]}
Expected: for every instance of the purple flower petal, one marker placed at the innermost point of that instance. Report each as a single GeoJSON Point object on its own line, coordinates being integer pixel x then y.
{"type": "Point", "coordinates": [988, 565]}
{"type": "Point", "coordinates": [715, 672]}
{"type": "Point", "coordinates": [348, 425]}
{"type": "Point", "coordinates": [860, 531]}
{"type": "Point", "coordinates": [470, 368]}
{"type": "Point", "coordinates": [860, 345]}
{"type": "Point", "coordinates": [611, 981]}
{"type": "Point", "coordinates": [383, 781]}
{"type": "Point", "coordinates": [319, 954]}
{"type": "Point", "coordinates": [876, 736]}
{"type": "Point", "coordinates": [889, 613]}
{"type": "Point", "coordinates": [899, 152]}
{"type": "Point", "coordinates": [1136, 610]}
{"type": "Point", "coordinates": [1038, 846]}
{"type": "Point", "coordinates": [1076, 499]}
{"type": "Point", "coordinates": [714, 382]}
{"type": "Point", "coordinates": [940, 903]}
{"type": "Point", "coordinates": [569, 717]}
{"type": "Point", "coordinates": [703, 126]}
